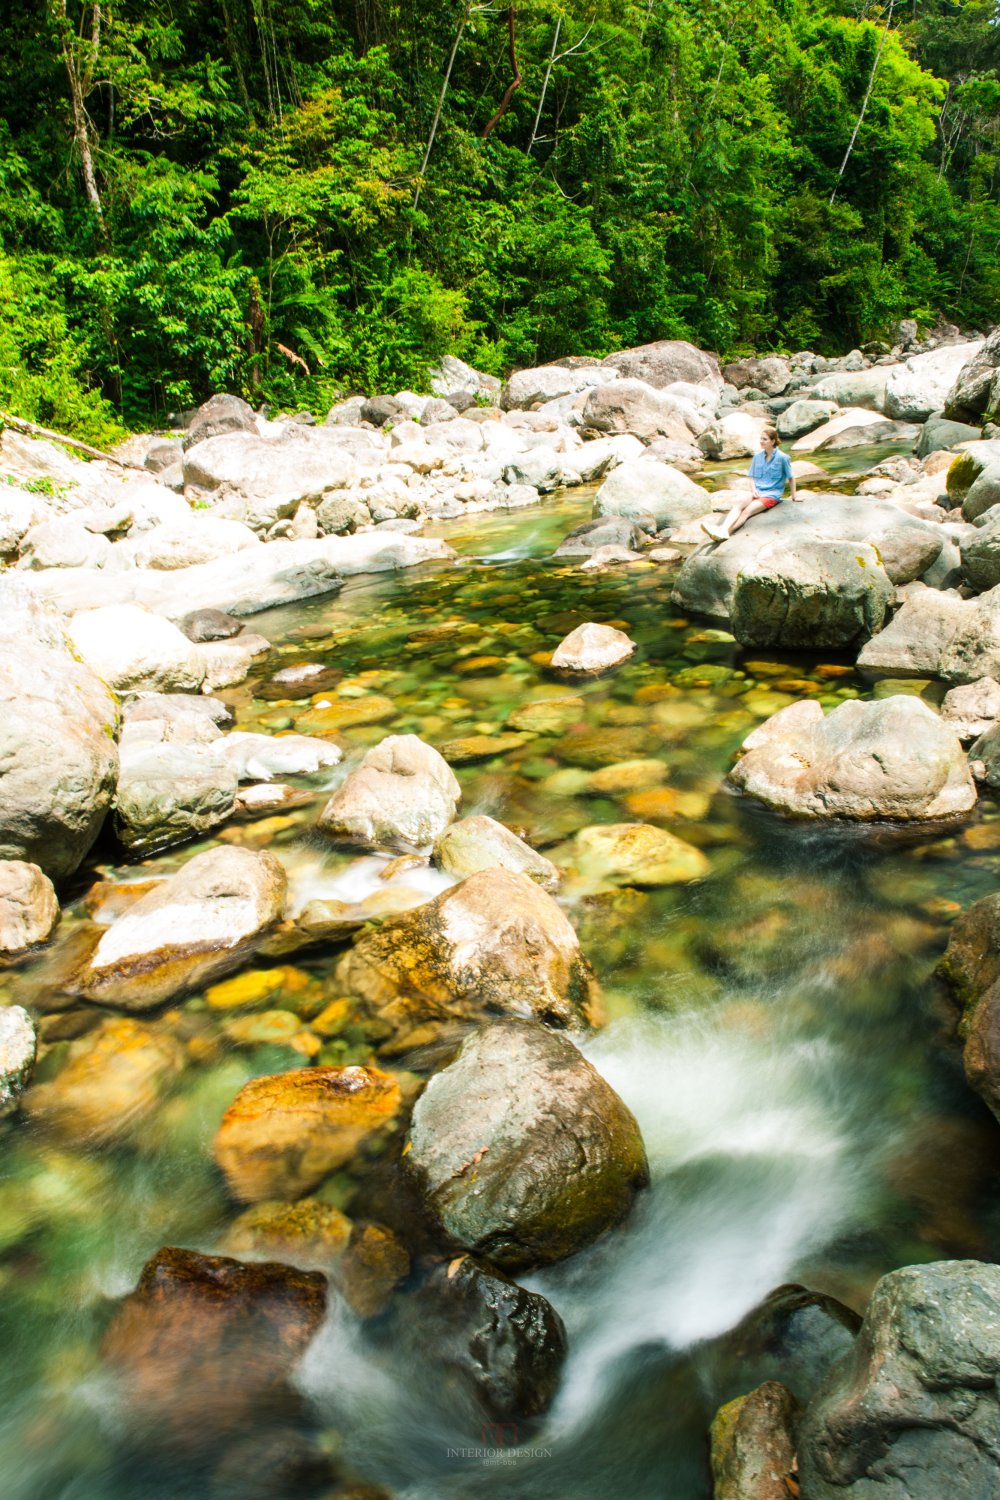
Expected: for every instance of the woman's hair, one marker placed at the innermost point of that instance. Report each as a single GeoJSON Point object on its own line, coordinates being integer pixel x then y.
{"type": "Point", "coordinates": [772, 433]}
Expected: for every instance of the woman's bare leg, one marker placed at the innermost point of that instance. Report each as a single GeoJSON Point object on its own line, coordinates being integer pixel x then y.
{"type": "Point", "coordinates": [736, 518]}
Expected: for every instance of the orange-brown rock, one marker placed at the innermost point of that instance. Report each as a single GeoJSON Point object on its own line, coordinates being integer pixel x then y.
{"type": "Point", "coordinates": [112, 1078]}
{"type": "Point", "coordinates": [307, 1233]}
{"type": "Point", "coordinates": [206, 1345]}
{"type": "Point", "coordinates": [285, 1132]}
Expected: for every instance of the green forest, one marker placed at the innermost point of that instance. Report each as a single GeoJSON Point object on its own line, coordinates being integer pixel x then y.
{"type": "Point", "coordinates": [299, 199]}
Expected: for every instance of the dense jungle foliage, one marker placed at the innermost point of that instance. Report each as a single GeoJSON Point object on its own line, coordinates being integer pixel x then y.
{"type": "Point", "coordinates": [298, 197]}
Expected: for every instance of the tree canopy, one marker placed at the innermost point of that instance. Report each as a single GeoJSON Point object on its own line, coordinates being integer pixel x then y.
{"type": "Point", "coordinates": [324, 195]}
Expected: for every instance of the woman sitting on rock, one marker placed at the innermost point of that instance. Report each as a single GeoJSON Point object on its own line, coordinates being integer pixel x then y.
{"type": "Point", "coordinates": [770, 471]}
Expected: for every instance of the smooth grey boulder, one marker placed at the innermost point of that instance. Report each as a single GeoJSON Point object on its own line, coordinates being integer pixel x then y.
{"type": "Point", "coordinates": [854, 388]}
{"type": "Point", "coordinates": [378, 410]}
{"type": "Point", "coordinates": [58, 727]}
{"type": "Point", "coordinates": [527, 388]}
{"type": "Point", "coordinates": [643, 487]}
{"type": "Point", "coordinates": [802, 416]}
{"type": "Point", "coordinates": [981, 555]}
{"type": "Point", "coordinates": [199, 538]}
{"type": "Point", "coordinates": [63, 542]}
{"type": "Point", "coordinates": [976, 393]}
{"type": "Point", "coordinates": [818, 595]}
{"type": "Point", "coordinates": [736, 434]}
{"type": "Point", "coordinates": [168, 793]}
{"type": "Point", "coordinates": [937, 634]}
{"type": "Point", "coordinates": [892, 760]}
{"type": "Point", "coordinates": [983, 493]}
{"type": "Point", "coordinates": [632, 406]}
{"type": "Point", "coordinates": [269, 477]}
{"type": "Point", "coordinates": [920, 386]}
{"type": "Point", "coordinates": [28, 907]}
{"type": "Point", "coordinates": [965, 469]}
{"type": "Point", "coordinates": [402, 796]}
{"type": "Point", "coordinates": [163, 454]}
{"type": "Point", "coordinates": [706, 582]}
{"type": "Point", "coordinates": [864, 437]}
{"type": "Point", "coordinates": [481, 843]}
{"type": "Point", "coordinates": [218, 415]}
{"type": "Point", "coordinates": [940, 432]}
{"type": "Point", "coordinates": [770, 375]}
{"type": "Point", "coordinates": [610, 531]}
{"type": "Point", "coordinates": [912, 1413]}
{"type": "Point", "coordinates": [665, 362]}
{"type": "Point", "coordinates": [973, 709]}
{"type": "Point", "coordinates": [18, 1044]}
{"type": "Point", "coordinates": [522, 1152]}
{"type": "Point", "coordinates": [453, 375]}
{"type": "Point", "coordinates": [209, 625]}
{"type": "Point", "coordinates": [194, 927]}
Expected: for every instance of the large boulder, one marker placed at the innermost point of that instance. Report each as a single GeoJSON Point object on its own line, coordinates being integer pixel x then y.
{"type": "Point", "coordinates": [940, 433]}
{"type": "Point", "coordinates": [855, 417]}
{"type": "Point", "coordinates": [736, 435]}
{"type": "Point", "coordinates": [217, 415]}
{"type": "Point", "coordinates": [771, 375]}
{"type": "Point", "coordinates": [975, 395]}
{"type": "Point", "coordinates": [802, 416]}
{"type": "Point", "coordinates": [601, 531]}
{"type": "Point", "coordinates": [937, 634]}
{"type": "Point", "coordinates": [981, 554]}
{"type": "Point", "coordinates": [168, 793]}
{"type": "Point", "coordinates": [205, 1347]}
{"type": "Point", "coordinates": [199, 538]}
{"type": "Point", "coordinates": [912, 1413]}
{"type": "Point", "coordinates": [268, 478]}
{"type": "Point", "coordinates": [811, 596]}
{"type": "Point", "coordinates": [526, 388]}
{"type": "Point", "coordinates": [921, 386]}
{"type": "Point", "coordinates": [285, 1132]}
{"type": "Point", "coordinates": [983, 493]}
{"type": "Point", "coordinates": [521, 1150]}
{"type": "Point", "coordinates": [28, 907]}
{"type": "Point", "coordinates": [643, 487]}
{"type": "Point", "coordinates": [58, 757]}
{"type": "Point", "coordinates": [893, 760]}
{"type": "Point", "coordinates": [972, 460]}
{"type": "Point", "coordinates": [847, 388]}
{"type": "Point", "coordinates": [665, 362]}
{"type": "Point", "coordinates": [970, 964]}
{"type": "Point", "coordinates": [706, 583]}
{"type": "Point", "coordinates": [495, 944]}
{"type": "Point", "coordinates": [481, 843]}
{"type": "Point", "coordinates": [135, 651]}
{"type": "Point", "coordinates": [453, 375]}
{"type": "Point", "coordinates": [973, 708]}
{"type": "Point", "coordinates": [192, 928]}
{"type": "Point", "coordinates": [18, 1044]}
{"type": "Point", "coordinates": [632, 406]}
{"type": "Point", "coordinates": [402, 796]}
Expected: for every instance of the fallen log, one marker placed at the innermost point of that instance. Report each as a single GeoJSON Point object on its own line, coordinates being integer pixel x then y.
{"type": "Point", "coordinates": [32, 429]}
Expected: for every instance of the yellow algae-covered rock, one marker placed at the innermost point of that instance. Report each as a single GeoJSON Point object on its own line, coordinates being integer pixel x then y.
{"type": "Point", "coordinates": [473, 747]}
{"type": "Point", "coordinates": [256, 987]}
{"type": "Point", "coordinates": [267, 1026]}
{"type": "Point", "coordinates": [346, 713]}
{"type": "Point", "coordinates": [371, 1268]}
{"type": "Point", "coordinates": [285, 1132]}
{"type": "Point", "coordinates": [547, 715]}
{"type": "Point", "coordinates": [632, 854]}
{"type": "Point", "coordinates": [111, 1080]}
{"type": "Point", "coordinates": [496, 944]}
{"type": "Point", "coordinates": [307, 1233]}
{"type": "Point", "coordinates": [667, 802]}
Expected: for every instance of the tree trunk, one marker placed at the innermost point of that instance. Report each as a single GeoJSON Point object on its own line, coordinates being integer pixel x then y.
{"type": "Point", "coordinates": [441, 97]}
{"type": "Point", "coordinates": [864, 103]}
{"type": "Point", "coordinates": [79, 86]}
{"type": "Point", "coordinates": [515, 82]}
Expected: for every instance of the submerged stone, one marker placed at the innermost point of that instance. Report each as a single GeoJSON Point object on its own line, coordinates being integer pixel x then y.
{"type": "Point", "coordinates": [521, 1150]}
{"type": "Point", "coordinates": [610, 854]}
{"type": "Point", "coordinates": [481, 843]}
{"type": "Point", "coordinates": [591, 649]}
{"type": "Point", "coordinates": [111, 1080]}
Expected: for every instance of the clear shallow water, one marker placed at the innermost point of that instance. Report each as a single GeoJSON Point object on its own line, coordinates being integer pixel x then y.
{"type": "Point", "coordinates": [774, 1028]}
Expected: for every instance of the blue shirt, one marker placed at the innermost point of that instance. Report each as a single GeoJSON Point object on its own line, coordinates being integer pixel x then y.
{"type": "Point", "coordinates": [770, 475]}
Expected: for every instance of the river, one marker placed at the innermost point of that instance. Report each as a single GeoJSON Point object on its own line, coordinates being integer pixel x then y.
{"type": "Point", "coordinates": [775, 1028]}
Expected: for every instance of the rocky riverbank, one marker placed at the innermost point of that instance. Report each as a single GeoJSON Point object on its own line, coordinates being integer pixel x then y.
{"type": "Point", "coordinates": [437, 1032]}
